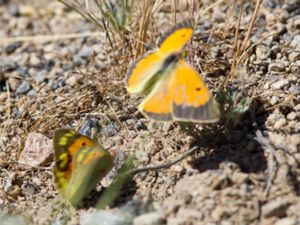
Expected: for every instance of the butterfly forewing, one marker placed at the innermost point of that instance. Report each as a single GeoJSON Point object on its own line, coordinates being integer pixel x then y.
{"type": "Point", "coordinates": [177, 37]}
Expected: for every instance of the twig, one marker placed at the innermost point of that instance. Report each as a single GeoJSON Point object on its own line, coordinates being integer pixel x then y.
{"type": "Point", "coordinates": [164, 165]}
{"type": "Point", "coordinates": [272, 161]}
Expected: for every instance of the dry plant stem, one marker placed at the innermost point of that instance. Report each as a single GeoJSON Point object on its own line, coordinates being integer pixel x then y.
{"type": "Point", "coordinates": [146, 17]}
{"type": "Point", "coordinates": [236, 46]}
{"type": "Point", "coordinates": [250, 28]}
{"type": "Point", "coordinates": [165, 165]}
{"type": "Point", "coordinates": [229, 18]}
{"type": "Point", "coordinates": [174, 10]}
{"type": "Point", "coordinates": [191, 41]}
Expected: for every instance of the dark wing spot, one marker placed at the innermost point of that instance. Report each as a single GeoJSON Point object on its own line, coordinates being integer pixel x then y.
{"type": "Point", "coordinates": [83, 144]}
{"type": "Point", "coordinates": [183, 35]}
{"type": "Point", "coordinates": [198, 88]}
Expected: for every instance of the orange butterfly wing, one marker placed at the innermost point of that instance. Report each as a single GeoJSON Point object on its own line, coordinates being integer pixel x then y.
{"type": "Point", "coordinates": [141, 72]}
{"type": "Point", "coordinates": [192, 100]}
{"type": "Point", "coordinates": [158, 104]}
{"type": "Point", "coordinates": [174, 40]}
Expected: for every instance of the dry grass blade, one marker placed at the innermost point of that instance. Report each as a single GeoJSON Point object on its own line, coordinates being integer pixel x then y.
{"type": "Point", "coordinates": [250, 28]}
{"type": "Point", "coordinates": [143, 27]}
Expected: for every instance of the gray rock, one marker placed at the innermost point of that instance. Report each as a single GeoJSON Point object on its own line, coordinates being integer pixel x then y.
{"type": "Point", "coordinates": [296, 42]}
{"type": "Point", "coordinates": [154, 218]}
{"type": "Point", "coordinates": [14, 10]}
{"type": "Point", "coordinates": [12, 47]}
{"type": "Point", "coordinates": [40, 77]}
{"type": "Point", "coordinates": [8, 65]}
{"type": "Point", "coordinates": [262, 52]}
{"type": "Point", "coordinates": [278, 85]}
{"type": "Point", "coordinates": [23, 88]}
{"type": "Point", "coordinates": [109, 130]}
{"type": "Point", "coordinates": [85, 53]}
{"type": "Point", "coordinates": [9, 219]}
{"type": "Point", "coordinates": [106, 217]}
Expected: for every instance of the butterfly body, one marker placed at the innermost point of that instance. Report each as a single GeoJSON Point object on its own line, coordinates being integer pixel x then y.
{"type": "Point", "coordinates": [80, 163]}
{"type": "Point", "coordinates": [174, 89]}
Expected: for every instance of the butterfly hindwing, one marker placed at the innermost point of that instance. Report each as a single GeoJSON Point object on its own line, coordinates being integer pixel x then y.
{"type": "Point", "coordinates": [91, 165]}
{"type": "Point", "coordinates": [80, 163]}
{"type": "Point", "coordinates": [192, 100]}
{"type": "Point", "coordinates": [158, 104]}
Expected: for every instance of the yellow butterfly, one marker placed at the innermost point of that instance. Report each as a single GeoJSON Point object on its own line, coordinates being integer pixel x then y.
{"type": "Point", "coordinates": [174, 89]}
{"type": "Point", "coordinates": [80, 163]}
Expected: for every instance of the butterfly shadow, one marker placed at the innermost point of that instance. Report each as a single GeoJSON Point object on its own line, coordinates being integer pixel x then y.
{"type": "Point", "coordinates": [229, 143]}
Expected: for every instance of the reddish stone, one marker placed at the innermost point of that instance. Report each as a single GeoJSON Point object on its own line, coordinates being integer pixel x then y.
{"type": "Point", "coordinates": [38, 150]}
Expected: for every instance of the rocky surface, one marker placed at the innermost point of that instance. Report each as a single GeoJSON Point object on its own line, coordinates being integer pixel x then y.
{"type": "Point", "coordinates": [247, 168]}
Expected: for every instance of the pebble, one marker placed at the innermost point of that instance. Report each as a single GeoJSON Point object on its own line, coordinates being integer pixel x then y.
{"type": "Point", "coordinates": [274, 100]}
{"type": "Point", "coordinates": [86, 128]}
{"type": "Point", "coordinates": [262, 52]}
{"type": "Point", "coordinates": [40, 77]}
{"type": "Point", "coordinates": [13, 83]}
{"type": "Point", "coordinates": [280, 84]}
{"type": "Point", "coordinates": [276, 67]}
{"type": "Point", "coordinates": [107, 217]}
{"type": "Point", "coordinates": [109, 130]}
{"type": "Point", "coordinates": [86, 53]}
{"type": "Point", "coordinates": [37, 151]}
{"type": "Point", "coordinates": [23, 88]}
{"type": "Point", "coordinates": [295, 90]}
{"type": "Point", "coordinates": [276, 207]}
{"type": "Point", "coordinates": [295, 44]}
{"type": "Point", "coordinates": [13, 219]}
{"type": "Point", "coordinates": [291, 116]}
{"type": "Point", "coordinates": [8, 65]}
{"type": "Point", "coordinates": [3, 96]}
{"type": "Point", "coordinates": [280, 123]}
{"type": "Point", "coordinates": [153, 218]}
{"type": "Point", "coordinates": [297, 107]}
{"type": "Point", "coordinates": [12, 47]}
{"type": "Point", "coordinates": [14, 10]}
{"type": "Point", "coordinates": [293, 56]}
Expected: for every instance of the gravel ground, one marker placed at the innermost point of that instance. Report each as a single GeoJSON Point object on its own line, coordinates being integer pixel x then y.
{"type": "Point", "coordinates": [247, 168]}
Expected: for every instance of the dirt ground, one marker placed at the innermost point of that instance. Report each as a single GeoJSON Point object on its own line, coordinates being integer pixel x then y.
{"type": "Point", "coordinates": [246, 168]}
